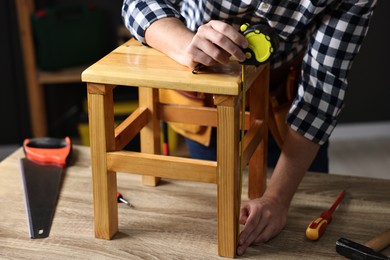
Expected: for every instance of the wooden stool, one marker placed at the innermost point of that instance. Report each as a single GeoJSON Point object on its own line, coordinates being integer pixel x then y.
{"type": "Point", "coordinates": [133, 64]}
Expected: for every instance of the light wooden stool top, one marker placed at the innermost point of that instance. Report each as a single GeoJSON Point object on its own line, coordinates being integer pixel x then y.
{"type": "Point", "coordinates": [133, 64]}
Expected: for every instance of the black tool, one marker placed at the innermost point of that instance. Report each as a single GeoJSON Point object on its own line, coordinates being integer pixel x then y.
{"type": "Point", "coordinates": [120, 198]}
{"type": "Point", "coordinates": [368, 251]}
{"type": "Point", "coordinates": [42, 174]}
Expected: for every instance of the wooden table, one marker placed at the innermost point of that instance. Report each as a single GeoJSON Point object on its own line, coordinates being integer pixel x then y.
{"type": "Point", "coordinates": [177, 221]}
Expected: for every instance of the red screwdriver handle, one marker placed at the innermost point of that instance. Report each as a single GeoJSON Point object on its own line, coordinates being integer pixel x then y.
{"type": "Point", "coordinates": [47, 150]}
{"type": "Point", "coordinates": [318, 226]}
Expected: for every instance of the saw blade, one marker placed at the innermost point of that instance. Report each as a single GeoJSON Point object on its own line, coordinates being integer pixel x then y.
{"type": "Point", "coordinates": [41, 185]}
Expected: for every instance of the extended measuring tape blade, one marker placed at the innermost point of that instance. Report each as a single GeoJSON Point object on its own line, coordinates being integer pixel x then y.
{"type": "Point", "coordinates": [41, 184]}
{"type": "Point", "coordinates": [242, 132]}
{"type": "Point", "coordinates": [242, 137]}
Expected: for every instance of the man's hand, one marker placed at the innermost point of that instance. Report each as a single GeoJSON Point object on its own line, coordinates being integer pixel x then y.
{"type": "Point", "coordinates": [215, 42]}
{"type": "Point", "coordinates": [263, 219]}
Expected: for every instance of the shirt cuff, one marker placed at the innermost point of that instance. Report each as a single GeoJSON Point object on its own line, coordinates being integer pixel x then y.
{"type": "Point", "coordinates": [308, 122]}
{"type": "Point", "coordinates": [138, 17]}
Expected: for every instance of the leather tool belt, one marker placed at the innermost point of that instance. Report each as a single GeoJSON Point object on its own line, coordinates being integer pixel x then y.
{"type": "Point", "coordinates": [283, 87]}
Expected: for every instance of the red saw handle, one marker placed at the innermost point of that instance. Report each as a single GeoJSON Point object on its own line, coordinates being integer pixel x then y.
{"type": "Point", "coordinates": [47, 150]}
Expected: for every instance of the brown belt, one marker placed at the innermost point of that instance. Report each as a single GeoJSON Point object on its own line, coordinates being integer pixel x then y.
{"type": "Point", "coordinates": [283, 87]}
{"type": "Point", "coordinates": [278, 76]}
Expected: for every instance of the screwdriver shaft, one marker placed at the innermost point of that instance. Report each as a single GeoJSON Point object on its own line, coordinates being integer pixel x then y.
{"type": "Point", "coordinates": [121, 199]}
{"type": "Point", "coordinates": [337, 202]}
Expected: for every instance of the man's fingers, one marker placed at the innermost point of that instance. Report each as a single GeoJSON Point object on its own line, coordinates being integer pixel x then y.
{"type": "Point", "coordinates": [262, 221]}
{"type": "Point", "coordinates": [215, 42]}
{"type": "Point", "coordinates": [265, 235]}
{"type": "Point", "coordinates": [253, 226]}
{"type": "Point", "coordinates": [244, 213]}
{"type": "Point", "coordinates": [231, 33]}
{"type": "Point", "coordinates": [256, 230]}
{"type": "Point", "coordinates": [226, 40]}
{"type": "Point", "coordinates": [249, 236]}
{"type": "Point", "coordinates": [215, 52]}
{"type": "Point", "coordinates": [199, 52]}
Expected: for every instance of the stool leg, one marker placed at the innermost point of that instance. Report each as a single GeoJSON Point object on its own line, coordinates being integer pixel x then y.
{"type": "Point", "coordinates": [102, 140]}
{"type": "Point", "coordinates": [228, 179]}
{"type": "Point", "coordinates": [258, 105]}
{"type": "Point", "coordinates": [150, 134]}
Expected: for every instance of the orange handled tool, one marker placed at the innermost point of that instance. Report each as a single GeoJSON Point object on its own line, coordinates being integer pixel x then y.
{"type": "Point", "coordinates": [42, 172]}
{"type": "Point", "coordinates": [318, 226]}
{"type": "Point", "coordinates": [48, 151]}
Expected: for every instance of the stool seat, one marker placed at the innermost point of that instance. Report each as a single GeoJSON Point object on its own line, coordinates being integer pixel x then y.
{"type": "Point", "coordinates": [135, 65]}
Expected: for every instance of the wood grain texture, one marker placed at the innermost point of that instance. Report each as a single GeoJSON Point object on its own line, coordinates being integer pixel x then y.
{"type": "Point", "coordinates": [130, 127]}
{"type": "Point", "coordinates": [251, 141]}
{"type": "Point", "coordinates": [133, 64]}
{"type": "Point", "coordinates": [228, 172]}
{"type": "Point", "coordinates": [258, 105]}
{"type": "Point", "coordinates": [150, 134]}
{"type": "Point", "coordinates": [177, 219]}
{"type": "Point", "coordinates": [168, 166]}
{"type": "Point", "coordinates": [102, 139]}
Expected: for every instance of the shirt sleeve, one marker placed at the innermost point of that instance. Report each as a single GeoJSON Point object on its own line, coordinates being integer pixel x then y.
{"type": "Point", "coordinates": [138, 15]}
{"type": "Point", "coordinates": [332, 48]}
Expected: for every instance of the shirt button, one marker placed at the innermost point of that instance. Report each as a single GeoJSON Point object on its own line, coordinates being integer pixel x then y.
{"type": "Point", "coordinates": [264, 6]}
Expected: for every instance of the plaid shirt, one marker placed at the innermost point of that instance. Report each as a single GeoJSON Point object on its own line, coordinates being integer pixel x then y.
{"type": "Point", "coordinates": [330, 31]}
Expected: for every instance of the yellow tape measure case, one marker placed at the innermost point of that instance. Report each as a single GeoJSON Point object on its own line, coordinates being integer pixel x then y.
{"type": "Point", "coordinates": [263, 42]}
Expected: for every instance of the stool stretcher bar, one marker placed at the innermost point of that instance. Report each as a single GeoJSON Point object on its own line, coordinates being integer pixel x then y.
{"type": "Point", "coordinates": [206, 116]}
{"type": "Point", "coordinates": [130, 127]}
{"type": "Point", "coordinates": [168, 166]}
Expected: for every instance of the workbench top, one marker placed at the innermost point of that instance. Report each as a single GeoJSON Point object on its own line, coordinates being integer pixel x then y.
{"type": "Point", "coordinates": [177, 220]}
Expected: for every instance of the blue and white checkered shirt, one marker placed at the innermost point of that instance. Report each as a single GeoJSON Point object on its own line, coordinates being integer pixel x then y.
{"type": "Point", "coordinates": [330, 31]}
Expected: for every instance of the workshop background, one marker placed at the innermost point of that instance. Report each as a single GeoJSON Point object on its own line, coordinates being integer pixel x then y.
{"type": "Point", "coordinates": [366, 109]}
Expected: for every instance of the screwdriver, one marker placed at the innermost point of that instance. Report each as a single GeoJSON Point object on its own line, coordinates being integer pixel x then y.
{"type": "Point", "coordinates": [121, 199]}
{"type": "Point", "coordinates": [318, 226]}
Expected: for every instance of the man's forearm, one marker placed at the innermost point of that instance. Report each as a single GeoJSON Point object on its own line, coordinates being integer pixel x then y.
{"type": "Point", "coordinates": [296, 157]}
{"type": "Point", "coordinates": [170, 36]}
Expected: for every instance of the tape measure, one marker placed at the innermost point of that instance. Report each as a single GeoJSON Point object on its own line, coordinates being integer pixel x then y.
{"type": "Point", "coordinates": [262, 43]}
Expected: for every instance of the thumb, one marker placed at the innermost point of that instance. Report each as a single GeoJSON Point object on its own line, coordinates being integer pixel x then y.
{"type": "Point", "coordinates": [244, 213]}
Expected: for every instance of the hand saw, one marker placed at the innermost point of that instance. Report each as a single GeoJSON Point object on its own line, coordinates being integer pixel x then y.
{"type": "Point", "coordinates": [41, 175]}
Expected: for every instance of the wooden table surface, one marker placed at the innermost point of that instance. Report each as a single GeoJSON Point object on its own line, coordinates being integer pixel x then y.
{"type": "Point", "coordinates": [177, 220]}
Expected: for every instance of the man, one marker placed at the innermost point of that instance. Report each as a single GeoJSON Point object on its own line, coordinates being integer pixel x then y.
{"type": "Point", "coordinates": [328, 33]}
